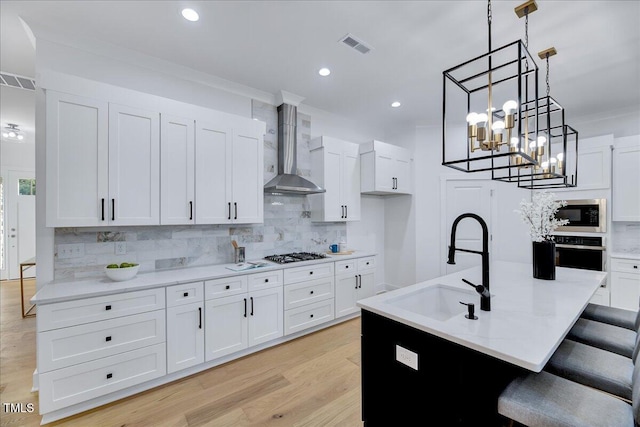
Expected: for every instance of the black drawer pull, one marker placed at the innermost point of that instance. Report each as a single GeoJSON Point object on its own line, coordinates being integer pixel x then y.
{"type": "Point", "coordinates": [199, 317]}
{"type": "Point", "coordinates": [367, 262]}
{"type": "Point", "coordinates": [102, 209]}
{"type": "Point", "coordinates": [635, 266]}
{"type": "Point", "coordinates": [245, 307]}
{"type": "Point", "coordinates": [311, 315]}
{"type": "Point", "coordinates": [346, 266]}
{"type": "Point", "coordinates": [266, 280]}
{"type": "Point", "coordinates": [311, 292]}
{"type": "Point", "coordinates": [311, 272]}
{"type": "Point", "coordinates": [108, 338]}
{"type": "Point", "coordinates": [227, 287]}
{"type": "Point", "coordinates": [190, 210]}
{"type": "Point", "coordinates": [108, 307]}
{"type": "Point", "coordinates": [251, 305]}
{"type": "Point", "coordinates": [109, 376]}
{"type": "Point", "coordinates": [186, 294]}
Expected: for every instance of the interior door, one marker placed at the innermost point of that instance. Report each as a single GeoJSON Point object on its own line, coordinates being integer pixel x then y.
{"type": "Point", "coordinates": [466, 196]}
{"type": "Point", "coordinates": [21, 219]}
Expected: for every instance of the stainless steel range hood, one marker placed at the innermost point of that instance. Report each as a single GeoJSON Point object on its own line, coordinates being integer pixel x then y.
{"type": "Point", "coordinates": [287, 181]}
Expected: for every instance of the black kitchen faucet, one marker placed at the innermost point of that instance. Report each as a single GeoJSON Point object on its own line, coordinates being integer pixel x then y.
{"type": "Point", "coordinates": [483, 290]}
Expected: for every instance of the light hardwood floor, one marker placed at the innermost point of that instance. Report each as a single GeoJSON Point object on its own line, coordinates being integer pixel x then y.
{"type": "Point", "coordinates": [310, 381]}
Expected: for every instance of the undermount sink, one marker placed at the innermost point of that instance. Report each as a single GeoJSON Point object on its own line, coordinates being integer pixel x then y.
{"type": "Point", "coordinates": [439, 302]}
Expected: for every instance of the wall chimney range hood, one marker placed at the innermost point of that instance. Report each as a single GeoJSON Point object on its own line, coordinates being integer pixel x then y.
{"type": "Point", "coordinates": [287, 181]}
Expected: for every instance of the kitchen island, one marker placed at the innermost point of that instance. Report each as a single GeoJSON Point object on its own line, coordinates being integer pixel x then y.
{"type": "Point", "coordinates": [425, 363]}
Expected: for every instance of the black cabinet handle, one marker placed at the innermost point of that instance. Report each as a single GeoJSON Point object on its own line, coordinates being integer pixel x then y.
{"type": "Point", "coordinates": [252, 306]}
{"type": "Point", "coordinates": [346, 266]}
{"type": "Point", "coordinates": [103, 209]}
{"type": "Point", "coordinates": [311, 272]}
{"type": "Point", "coordinates": [341, 211]}
{"type": "Point", "coordinates": [229, 217]}
{"type": "Point", "coordinates": [245, 307]}
{"type": "Point", "coordinates": [113, 209]}
{"type": "Point", "coordinates": [186, 294]}
{"type": "Point", "coordinates": [190, 210]}
{"type": "Point", "coordinates": [360, 280]}
{"type": "Point", "coordinates": [108, 338]}
{"type": "Point", "coordinates": [266, 280]}
{"type": "Point", "coordinates": [346, 211]}
{"type": "Point", "coordinates": [635, 266]}
{"type": "Point", "coordinates": [108, 307]}
{"type": "Point", "coordinates": [356, 281]}
{"type": "Point", "coordinates": [199, 317]}
{"type": "Point", "coordinates": [311, 292]}
{"type": "Point", "coordinates": [235, 207]}
{"type": "Point", "coordinates": [367, 262]}
{"type": "Point", "coordinates": [227, 287]}
{"type": "Point", "coordinates": [311, 315]}
{"type": "Point", "coordinates": [109, 375]}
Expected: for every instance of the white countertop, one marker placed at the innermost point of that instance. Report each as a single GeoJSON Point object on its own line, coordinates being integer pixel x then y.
{"type": "Point", "coordinates": [58, 291]}
{"type": "Point", "coordinates": [529, 318]}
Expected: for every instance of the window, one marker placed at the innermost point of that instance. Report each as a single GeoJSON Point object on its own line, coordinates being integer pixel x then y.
{"type": "Point", "coordinates": [27, 187]}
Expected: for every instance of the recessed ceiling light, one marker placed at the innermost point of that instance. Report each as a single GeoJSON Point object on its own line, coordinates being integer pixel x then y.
{"type": "Point", "coordinates": [395, 104]}
{"type": "Point", "coordinates": [324, 72]}
{"type": "Point", "coordinates": [190, 15]}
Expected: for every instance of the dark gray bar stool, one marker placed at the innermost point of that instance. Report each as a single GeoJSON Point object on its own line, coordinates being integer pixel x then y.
{"type": "Point", "coordinates": [614, 316]}
{"type": "Point", "coordinates": [547, 400]}
{"type": "Point", "coordinates": [603, 335]}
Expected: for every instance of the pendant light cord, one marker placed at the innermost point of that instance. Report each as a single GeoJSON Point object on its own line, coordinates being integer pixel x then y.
{"type": "Point", "coordinates": [548, 87]}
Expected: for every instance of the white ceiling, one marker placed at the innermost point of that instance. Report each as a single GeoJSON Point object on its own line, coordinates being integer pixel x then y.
{"type": "Point", "coordinates": [280, 45]}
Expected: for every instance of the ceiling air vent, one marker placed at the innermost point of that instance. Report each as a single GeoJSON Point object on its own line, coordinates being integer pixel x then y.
{"type": "Point", "coordinates": [351, 41]}
{"type": "Point", "coordinates": [14, 80]}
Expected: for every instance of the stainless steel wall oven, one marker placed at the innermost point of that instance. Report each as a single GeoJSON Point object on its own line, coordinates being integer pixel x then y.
{"type": "Point", "coordinates": [584, 252]}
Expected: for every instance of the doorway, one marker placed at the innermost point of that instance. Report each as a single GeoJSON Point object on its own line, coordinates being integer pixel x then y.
{"type": "Point", "coordinates": [19, 209]}
{"type": "Point", "coordinates": [461, 196]}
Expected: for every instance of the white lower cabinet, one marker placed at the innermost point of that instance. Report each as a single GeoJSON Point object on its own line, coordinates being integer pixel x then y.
{"type": "Point", "coordinates": [185, 326]}
{"type": "Point", "coordinates": [355, 280]}
{"type": "Point", "coordinates": [236, 322]}
{"type": "Point", "coordinates": [94, 346]}
{"type": "Point", "coordinates": [308, 296]}
{"type": "Point", "coordinates": [625, 283]}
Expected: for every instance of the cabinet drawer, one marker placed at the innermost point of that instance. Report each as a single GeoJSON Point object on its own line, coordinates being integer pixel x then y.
{"type": "Point", "coordinates": [368, 263]}
{"type": "Point", "coordinates": [60, 348]}
{"type": "Point", "coordinates": [307, 316]}
{"type": "Point", "coordinates": [185, 294]}
{"type": "Point", "coordinates": [228, 286]}
{"type": "Point", "coordinates": [346, 266]}
{"type": "Point", "coordinates": [625, 265]}
{"type": "Point", "coordinates": [72, 313]}
{"type": "Point", "coordinates": [268, 279]}
{"type": "Point", "coordinates": [299, 274]}
{"type": "Point", "coordinates": [75, 384]}
{"type": "Point", "coordinates": [304, 293]}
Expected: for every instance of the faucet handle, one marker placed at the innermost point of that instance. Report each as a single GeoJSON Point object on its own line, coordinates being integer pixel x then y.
{"type": "Point", "coordinates": [479, 288]}
{"type": "Point", "coordinates": [471, 308]}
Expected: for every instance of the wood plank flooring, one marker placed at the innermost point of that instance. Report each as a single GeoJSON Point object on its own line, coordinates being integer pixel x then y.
{"type": "Point", "coordinates": [311, 381]}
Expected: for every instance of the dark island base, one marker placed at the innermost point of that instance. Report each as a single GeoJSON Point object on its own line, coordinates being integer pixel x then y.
{"type": "Point", "coordinates": [453, 386]}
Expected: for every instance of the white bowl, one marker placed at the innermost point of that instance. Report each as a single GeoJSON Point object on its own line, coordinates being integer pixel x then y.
{"type": "Point", "coordinates": [121, 274]}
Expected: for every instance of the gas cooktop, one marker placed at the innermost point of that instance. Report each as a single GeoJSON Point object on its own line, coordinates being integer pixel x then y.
{"type": "Point", "coordinates": [295, 257]}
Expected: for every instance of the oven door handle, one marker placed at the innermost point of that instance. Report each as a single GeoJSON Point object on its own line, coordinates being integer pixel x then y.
{"type": "Point", "coordinates": [589, 248]}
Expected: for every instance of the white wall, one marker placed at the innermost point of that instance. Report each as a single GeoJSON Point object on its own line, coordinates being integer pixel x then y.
{"type": "Point", "coordinates": [14, 156]}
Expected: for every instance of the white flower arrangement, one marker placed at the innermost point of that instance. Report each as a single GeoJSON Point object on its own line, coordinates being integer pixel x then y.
{"type": "Point", "coordinates": [540, 215]}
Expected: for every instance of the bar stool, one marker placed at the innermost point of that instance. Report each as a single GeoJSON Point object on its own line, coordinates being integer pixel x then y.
{"type": "Point", "coordinates": [604, 335]}
{"type": "Point", "coordinates": [613, 316]}
{"type": "Point", "coordinates": [546, 400]}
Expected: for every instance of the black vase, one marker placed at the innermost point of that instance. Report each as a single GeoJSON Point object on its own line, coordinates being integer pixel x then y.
{"type": "Point", "coordinates": [544, 260]}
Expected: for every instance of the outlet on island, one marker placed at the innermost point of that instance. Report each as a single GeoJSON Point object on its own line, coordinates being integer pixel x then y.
{"type": "Point", "coordinates": [407, 357]}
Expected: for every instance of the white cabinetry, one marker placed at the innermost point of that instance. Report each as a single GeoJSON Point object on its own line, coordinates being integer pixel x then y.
{"type": "Point", "coordinates": [355, 280]}
{"type": "Point", "coordinates": [594, 168]}
{"type": "Point", "coordinates": [251, 313]}
{"type": "Point", "coordinates": [95, 346]}
{"type": "Point", "coordinates": [185, 326]}
{"type": "Point", "coordinates": [309, 296]}
{"type": "Point", "coordinates": [625, 283]}
{"type": "Point", "coordinates": [385, 169]}
{"type": "Point", "coordinates": [626, 176]}
{"type": "Point", "coordinates": [335, 166]}
{"type": "Point", "coordinates": [177, 170]}
{"type": "Point", "coordinates": [103, 163]}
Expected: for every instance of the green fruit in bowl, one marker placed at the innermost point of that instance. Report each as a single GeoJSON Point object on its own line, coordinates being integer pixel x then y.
{"type": "Point", "coordinates": [112, 266]}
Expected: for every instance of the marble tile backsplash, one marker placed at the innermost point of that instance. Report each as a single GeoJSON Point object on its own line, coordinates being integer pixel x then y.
{"type": "Point", "coordinates": [625, 237]}
{"type": "Point", "coordinates": [287, 226]}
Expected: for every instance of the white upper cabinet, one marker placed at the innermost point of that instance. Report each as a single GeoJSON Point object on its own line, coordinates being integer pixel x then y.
{"type": "Point", "coordinates": [134, 166]}
{"type": "Point", "coordinates": [177, 170]}
{"type": "Point", "coordinates": [229, 175]}
{"type": "Point", "coordinates": [594, 168]}
{"type": "Point", "coordinates": [77, 138]}
{"type": "Point", "coordinates": [626, 176]}
{"type": "Point", "coordinates": [102, 163]}
{"type": "Point", "coordinates": [335, 166]}
{"type": "Point", "coordinates": [385, 169]}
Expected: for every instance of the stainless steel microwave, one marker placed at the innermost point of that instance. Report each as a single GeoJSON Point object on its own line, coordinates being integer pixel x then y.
{"type": "Point", "coordinates": [587, 215]}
